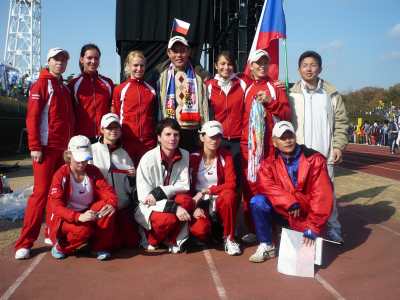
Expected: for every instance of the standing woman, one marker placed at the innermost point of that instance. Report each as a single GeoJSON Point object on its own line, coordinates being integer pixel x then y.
{"type": "Point", "coordinates": [49, 122]}
{"type": "Point", "coordinates": [226, 93]}
{"type": "Point", "coordinates": [92, 93]}
{"type": "Point", "coordinates": [134, 101]}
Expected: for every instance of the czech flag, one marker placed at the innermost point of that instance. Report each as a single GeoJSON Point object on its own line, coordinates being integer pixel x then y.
{"type": "Point", "coordinates": [271, 27]}
{"type": "Point", "coordinates": [180, 26]}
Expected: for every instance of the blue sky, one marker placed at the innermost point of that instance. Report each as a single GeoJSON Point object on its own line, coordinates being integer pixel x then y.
{"type": "Point", "coordinates": [359, 40]}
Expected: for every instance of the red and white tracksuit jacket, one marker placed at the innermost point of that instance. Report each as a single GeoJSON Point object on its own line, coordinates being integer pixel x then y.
{"type": "Point", "coordinates": [276, 110]}
{"type": "Point", "coordinates": [226, 203]}
{"type": "Point", "coordinates": [135, 103]}
{"type": "Point", "coordinates": [314, 190]}
{"type": "Point", "coordinates": [228, 108]}
{"type": "Point", "coordinates": [75, 233]}
{"type": "Point", "coordinates": [50, 125]}
{"type": "Point", "coordinates": [50, 116]}
{"type": "Point", "coordinates": [92, 94]}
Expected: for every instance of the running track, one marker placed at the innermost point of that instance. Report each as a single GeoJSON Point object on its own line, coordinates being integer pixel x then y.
{"type": "Point", "coordinates": [373, 160]}
{"type": "Point", "coordinates": [366, 267]}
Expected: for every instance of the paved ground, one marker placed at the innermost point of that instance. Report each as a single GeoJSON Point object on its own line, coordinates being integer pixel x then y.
{"type": "Point", "coordinates": [366, 267]}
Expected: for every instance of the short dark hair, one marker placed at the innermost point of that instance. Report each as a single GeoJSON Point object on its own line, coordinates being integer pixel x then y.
{"type": "Point", "coordinates": [312, 54]}
{"type": "Point", "coordinates": [85, 48]}
{"type": "Point", "coordinates": [167, 122]}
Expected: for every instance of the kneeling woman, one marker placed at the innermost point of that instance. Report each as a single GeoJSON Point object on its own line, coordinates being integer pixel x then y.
{"type": "Point", "coordinates": [214, 183]}
{"type": "Point", "coordinates": [81, 203]}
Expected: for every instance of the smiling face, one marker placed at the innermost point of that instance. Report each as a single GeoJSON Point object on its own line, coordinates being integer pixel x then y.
{"type": "Point", "coordinates": [57, 64]}
{"type": "Point", "coordinates": [137, 67]}
{"type": "Point", "coordinates": [111, 134]}
{"type": "Point", "coordinates": [309, 70]}
{"type": "Point", "coordinates": [259, 68]}
{"type": "Point", "coordinates": [179, 55]}
{"type": "Point", "coordinates": [169, 139]}
{"type": "Point", "coordinates": [224, 67]}
{"type": "Point", "coordinates": [78, 167]}
{"type": "Point", "coordinates": [286, 143]}
{"type": "Point", "coordinates": [211, 143]}
{"type": "Point", "coordinates": [90, 61]}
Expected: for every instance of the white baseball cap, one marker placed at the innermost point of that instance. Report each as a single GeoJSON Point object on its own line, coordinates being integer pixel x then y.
{"type": "Point", "coordinates": [256, 55]}
{"type": "Point", "coordinates": [54, 51]}
{"type": "Point", "coordinates": [107, 119]}
{"type": "Point", "coordinates": [211, 128]}
{"type": "Point", "coordinates": [177, 39]}
{"type": "Point", "coordinates": [281, 127]}
{"type": "Point", "coordinates": [80, 148]}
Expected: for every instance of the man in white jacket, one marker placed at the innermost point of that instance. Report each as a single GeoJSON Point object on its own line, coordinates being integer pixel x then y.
{"type": "Point", "coordinates": [320, 120]}
{"type": "Point", "coordinates": [162, 182]}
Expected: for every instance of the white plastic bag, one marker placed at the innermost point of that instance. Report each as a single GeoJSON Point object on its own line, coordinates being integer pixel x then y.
{"type": "Point", "coordinates": [12, 205]}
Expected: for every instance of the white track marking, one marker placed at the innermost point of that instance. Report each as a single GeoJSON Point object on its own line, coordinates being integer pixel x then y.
{"type": "Point", "coordinates": [329, 287]}
{"type": "Point", "coordinates": [215, 276]}
{"type": "Point", "coordinates": [10, 291]}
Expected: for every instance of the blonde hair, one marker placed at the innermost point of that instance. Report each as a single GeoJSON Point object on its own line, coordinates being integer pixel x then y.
{"type": "Point", "coordinates": [67, 156]}
{"type": "Point", "coordinates": [131, 55]}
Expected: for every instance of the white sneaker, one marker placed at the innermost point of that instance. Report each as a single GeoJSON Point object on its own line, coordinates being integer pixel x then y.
{"type": "Point", "coordinates": [249, 238]}
{"type": "Point", "coordinates": [150, 248]}
{"type": "Point", "coordinates": [22, 253]}
{"type": "Point", "coordinates": [263, 252]}
{"type": "Point", "coordinates": [48, 241]}
{"type": "Point", "coordinates": [232, 248]}
{"type": "Point", "coordinates": [174, 249]}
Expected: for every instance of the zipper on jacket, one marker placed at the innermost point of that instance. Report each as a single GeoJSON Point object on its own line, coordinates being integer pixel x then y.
{"type": "Point", "coordinates": [95, 106]}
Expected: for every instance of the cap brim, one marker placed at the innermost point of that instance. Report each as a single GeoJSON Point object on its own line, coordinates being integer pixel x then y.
{"type": "Point", "coordinates": [80, 156]}
{"type": "Point", "coordinates": [213, 132]}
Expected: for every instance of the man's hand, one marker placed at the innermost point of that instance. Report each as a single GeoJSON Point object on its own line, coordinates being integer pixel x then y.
{"type": "Point", "coordinates": [37, 156]}
{"type": "Point", "coordinates": [308, 242]}
{"type": "Point", "coordinates": [87, 216]}
{"type": "Point", "coordinates": [106, 210]}
{"type": "Point", "coordinates": [182, 214]}
{"type": "Point", "coordinates": [150, 200]}
{"type": "Point", "coordinates": [309, 238]}
{"type": "Point", "coordinates": [337, 156]}
{"type": "Point", "coordinates": [198, 197]}
{"type": "Point", "coordinates": [199, 213]}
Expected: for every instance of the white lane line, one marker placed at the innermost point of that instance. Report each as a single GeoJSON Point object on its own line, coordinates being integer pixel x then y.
{"type": "Point", "coordinates": [10, 291]}
{"type": "Point", "coordinates": [329, 287]}
{"type": "Point", "coordinates": [215, 276]}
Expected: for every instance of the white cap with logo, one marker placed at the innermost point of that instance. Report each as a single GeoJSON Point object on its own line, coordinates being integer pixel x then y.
{"type": "Point", "coordinates": [107, 119]}
{"type": "Point", "coordinates": [211, 128]}
{"type": "Point", "coordinates": [256, 55]}
{"type": "Point", "coordinates": [177, 39]}
{"type": "Point", "coordinates": [281, 127]}
{"type": "Point", "coordinates": [54, 51]}
{"type": "Point", "coordinates": [80, 148]}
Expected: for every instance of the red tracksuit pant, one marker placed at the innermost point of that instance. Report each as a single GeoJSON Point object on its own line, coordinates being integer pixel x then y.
{"type": "Point", "coordinates": [100, 233]}
{"type": "Point", "coordinates": [226, 208]}
{"type": "Point", "coordinates": [165, 227]}
{"type": "Point", "coordinates": [42, 177]}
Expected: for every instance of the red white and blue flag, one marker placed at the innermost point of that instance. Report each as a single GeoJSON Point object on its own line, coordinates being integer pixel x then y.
{"type": "Point", "coordinates": [271, 27]}
{"type": "Point", "coordinates": [180, 26]}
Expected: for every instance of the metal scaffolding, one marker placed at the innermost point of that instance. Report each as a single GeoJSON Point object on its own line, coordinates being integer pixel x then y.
{"type": "Point", "coordinates": [22, 49]}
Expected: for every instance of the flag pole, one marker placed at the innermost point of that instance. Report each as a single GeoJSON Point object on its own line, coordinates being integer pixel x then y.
{"type": "Point", "coordinates": [286, 66]}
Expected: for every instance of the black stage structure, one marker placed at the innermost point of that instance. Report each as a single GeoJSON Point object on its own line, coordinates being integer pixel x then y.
{"type": "Point", "coordinates": [216, 25]}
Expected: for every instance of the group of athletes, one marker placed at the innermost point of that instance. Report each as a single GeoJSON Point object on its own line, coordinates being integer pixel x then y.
{"type": "Point", "coordinates": [158, 165]}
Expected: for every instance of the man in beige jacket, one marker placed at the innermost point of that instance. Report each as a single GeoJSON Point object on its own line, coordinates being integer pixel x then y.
{"type": "Point", "coordinates": [320, 119]}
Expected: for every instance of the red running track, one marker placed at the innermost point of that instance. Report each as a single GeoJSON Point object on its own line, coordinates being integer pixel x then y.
{"type": "Point", "coordinates": [373, 160]}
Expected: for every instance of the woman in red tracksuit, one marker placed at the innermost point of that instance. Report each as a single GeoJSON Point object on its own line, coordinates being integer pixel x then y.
{"type": "Point", "coordinates": [213, 182]}
{"type": "Point", "coordinates": [49, 122]}
{"type": "Point", "coordinates": [135, 102]}
{"type": "Point", "coordinates": [92, 93]}
{"type": "Point", "coordinates": [226, 93]}
{"type": "Point", "coordinates": [82, 204]}
{"type": "Point", "coordinates": [276, 105]}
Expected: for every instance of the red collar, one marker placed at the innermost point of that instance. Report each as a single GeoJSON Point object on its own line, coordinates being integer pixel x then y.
{"type": "Point", "coordinates": [168, 162]}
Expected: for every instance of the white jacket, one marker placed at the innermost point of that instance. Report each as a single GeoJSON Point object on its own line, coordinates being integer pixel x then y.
{"type": "Point", "coordinates": [120, 160]}
{"type": "Point", "coordinates": [150, 174]}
